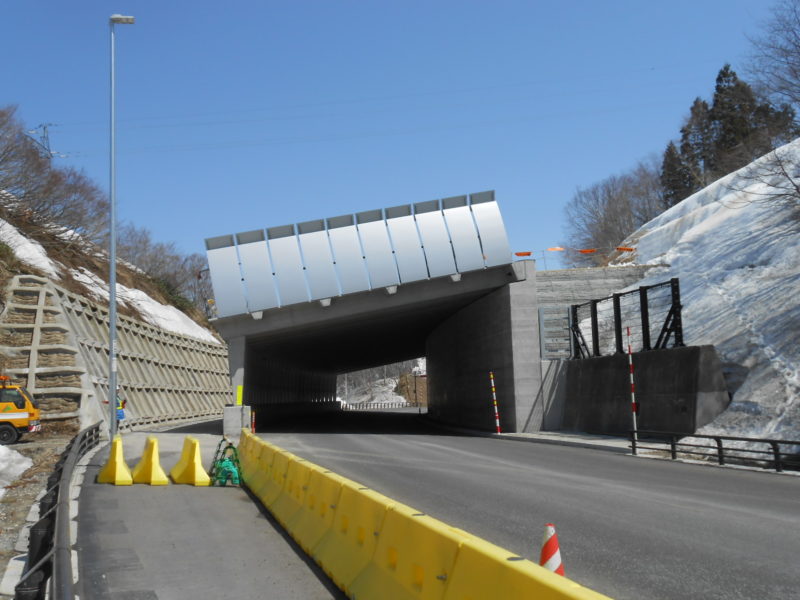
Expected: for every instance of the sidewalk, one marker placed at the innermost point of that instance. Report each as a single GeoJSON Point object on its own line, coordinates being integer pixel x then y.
{"type": "Point", "coordinates": [180, 542]}
{"type": "Point", "coordinates": [564, 438]}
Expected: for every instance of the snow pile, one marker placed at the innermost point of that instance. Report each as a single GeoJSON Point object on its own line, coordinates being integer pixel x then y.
{"type": "Point", "coordinates": [161, 315]}
{"type": "Point", "coordinates": [736, 249]}
{"type": "Point", "coordinates": [375, 393]}
{"type": "Point", "coordinates": [28, 251]}
{"type": "Point", "coordinates": [12, 465]}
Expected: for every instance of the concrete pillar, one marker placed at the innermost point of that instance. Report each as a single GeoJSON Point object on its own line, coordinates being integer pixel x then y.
{"type": "Point", "coordinates": [499, 333]}
{"type": "Point", "coordinates": [237, 353]}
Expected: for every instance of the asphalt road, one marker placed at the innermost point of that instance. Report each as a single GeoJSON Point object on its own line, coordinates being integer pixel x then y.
{"type": "Point", "coordinates": [628, 527]}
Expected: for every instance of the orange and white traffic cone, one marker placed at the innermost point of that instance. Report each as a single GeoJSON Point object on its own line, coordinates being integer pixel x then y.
{"type": "Point", "coordinates": [550, 558]}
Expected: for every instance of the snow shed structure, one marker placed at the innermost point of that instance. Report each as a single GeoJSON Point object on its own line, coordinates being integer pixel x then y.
{"type": "Point", "coordinates": [300, 304]}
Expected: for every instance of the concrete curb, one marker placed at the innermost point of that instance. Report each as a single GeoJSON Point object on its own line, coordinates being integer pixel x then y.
{"type": "Point", "coordinates": [576, 440]}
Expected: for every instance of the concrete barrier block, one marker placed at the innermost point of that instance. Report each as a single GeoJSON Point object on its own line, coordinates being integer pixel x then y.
{"type": "Point", "coordinates": [148, 469]}
{"type": "Point", "coordinates": [189, 469]}
{"type": "Point", "coordinates": [115, 470]}
{"type": "Point", "coordinates": [413, 559]}
{"type": "Point", "coordinates": [347, 548]}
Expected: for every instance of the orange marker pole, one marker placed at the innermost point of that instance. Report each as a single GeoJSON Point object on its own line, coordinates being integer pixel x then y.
{"type": "Point", "coordinates": [494, 402]}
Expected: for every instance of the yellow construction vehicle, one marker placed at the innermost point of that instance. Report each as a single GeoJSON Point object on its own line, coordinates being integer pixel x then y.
{"type": "Point", "coordinates": [19, 412]}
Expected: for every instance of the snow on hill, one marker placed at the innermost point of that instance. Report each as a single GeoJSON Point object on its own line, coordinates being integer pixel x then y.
{"type": "Point", "coordinates": [161, 315]}
{"type": "Point", "coordinates": [736, 249]}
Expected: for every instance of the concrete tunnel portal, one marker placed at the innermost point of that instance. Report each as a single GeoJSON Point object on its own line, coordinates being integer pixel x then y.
{"type": "Point", "coordinates": [299, 305]}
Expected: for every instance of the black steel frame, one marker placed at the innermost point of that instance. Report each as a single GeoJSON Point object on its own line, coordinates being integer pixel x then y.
{"type": "Point", "coordinates": [672, 327]}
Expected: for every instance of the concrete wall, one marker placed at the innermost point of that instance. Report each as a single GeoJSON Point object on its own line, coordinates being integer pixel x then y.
{"type": "Point", "coordinates": [678, 389]}
{"type": "Point", "coordinates": [499, 333]}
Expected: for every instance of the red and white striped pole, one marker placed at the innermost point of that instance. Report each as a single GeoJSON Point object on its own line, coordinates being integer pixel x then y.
{"type": "Point", "coordinates": [494, 402]}
{"type": "Point", "coordinates": [634, 406]}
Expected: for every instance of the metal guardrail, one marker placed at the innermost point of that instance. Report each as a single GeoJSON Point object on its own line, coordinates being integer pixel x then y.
{"type": "Point", "coordinates": [778, 458]}
{"type": "Point", "coordinates": [49, 546]}
{"type": "Point", "coordinates": [376, 405]}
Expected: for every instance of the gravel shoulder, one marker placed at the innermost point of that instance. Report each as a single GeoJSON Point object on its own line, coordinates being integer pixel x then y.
{"type": "Point", "coordinates": [44, 450]}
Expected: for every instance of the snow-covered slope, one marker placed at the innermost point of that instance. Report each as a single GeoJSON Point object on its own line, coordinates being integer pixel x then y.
{"type": "Point", "coordinates": [736, 249]}
{"type": "Point", "coordinates": [162, 315]}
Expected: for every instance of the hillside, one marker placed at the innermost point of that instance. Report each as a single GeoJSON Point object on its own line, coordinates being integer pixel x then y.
{"type": "Point", "coordinates": [735, 246]}
{"type": "Point", "coordinates": [85, 272]}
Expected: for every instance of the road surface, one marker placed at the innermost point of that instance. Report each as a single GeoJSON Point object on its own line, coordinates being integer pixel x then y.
{"type": "Point", "coordinates": [628, 527]}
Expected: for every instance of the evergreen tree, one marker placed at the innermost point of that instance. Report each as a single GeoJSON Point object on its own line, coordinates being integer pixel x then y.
{"type": "Point", "coordinates": [697, 144]}
{"type": "Point", "coordinates": [676, 177]}
{"type": "Point", "coordinates": [733, 121]}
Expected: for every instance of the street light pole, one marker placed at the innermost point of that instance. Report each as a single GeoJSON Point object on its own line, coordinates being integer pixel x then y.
{"type": "Point", "coordinates": [112, 278]}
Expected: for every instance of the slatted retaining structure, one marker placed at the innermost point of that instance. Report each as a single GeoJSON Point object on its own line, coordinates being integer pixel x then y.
{"type": "Point", "coordinates": [57, 346]}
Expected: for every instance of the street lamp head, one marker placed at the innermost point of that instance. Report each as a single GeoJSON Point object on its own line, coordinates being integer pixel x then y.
{"type": "Point", "coordinates": [121, 20]}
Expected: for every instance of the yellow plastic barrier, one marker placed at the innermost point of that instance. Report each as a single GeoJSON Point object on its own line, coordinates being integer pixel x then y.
{"type": "Point", "coordinates": [414, 558]}
{"type": "Point", "coordinates": [255, 472]}
{"type": "Point", "coordinates": [375, 548]}
{"type": "Point", "coordinates": [483, 570]}
{"type": "Point", "coordinates": [116, 470]}
{"type": "Point", "coordinates": [273, 486]}
{"type": "Point", "coordinates": [189, 469]}
{"type": "Point", "coordinates": [347, 547]}
{"type": "Point", "coordinates": [290, 501]}
{"type": "Point", "coordinates": [148, 469]}
{"type": "Point", "coordinates": [308, 525]}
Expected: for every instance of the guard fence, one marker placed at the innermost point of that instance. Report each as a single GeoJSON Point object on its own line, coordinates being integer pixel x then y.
{"type": "Point", "coordinates": [49, 544]}
{"type": "Point", "coordinates": [649, 316]}
{"type": "Point", "coordinates": [770, 453]}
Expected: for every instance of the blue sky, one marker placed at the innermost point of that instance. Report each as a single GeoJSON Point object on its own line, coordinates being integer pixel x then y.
{"type": "Point", "coordinates": [241, 114]}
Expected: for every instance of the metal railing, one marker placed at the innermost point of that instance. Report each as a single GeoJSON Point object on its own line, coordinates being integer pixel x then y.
{"type": "Point", "coordinates": [376, 405]}
{"type": "Point", "coordinates": [777, 453]}
{"type": "Point", "coordinates": [652, 312]}
{"type": "Point", "coordinates": [49, 545]}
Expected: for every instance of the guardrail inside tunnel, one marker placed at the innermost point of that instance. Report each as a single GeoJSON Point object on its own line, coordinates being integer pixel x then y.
{"type": "Point", "coordinates": [378, 249]}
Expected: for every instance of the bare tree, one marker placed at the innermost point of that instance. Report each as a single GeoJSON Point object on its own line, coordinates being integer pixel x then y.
{"type": "Point", "coordinates": [775, 58]}
{"type": "Point", "coordinates": [602, 215]}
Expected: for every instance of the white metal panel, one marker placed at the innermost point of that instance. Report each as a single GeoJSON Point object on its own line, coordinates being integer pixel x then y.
{"type": "Point", "coordinates": [258, 281]}
{"type": "Point", "coordinates": [494, 241]}
{"type": "Point", "coordinates": [226, 279]}
{"type": "Point", "coordinates": [378, 253]}
{"type": "Point", "coordinates": [288, 270]}
{"type": "Point", "coordinates": [466, 245]}
{"type": "Point", "coordinates": [349, 260]}
{"type": "Point", "coordinates": [407, 249]}
{"type": "Point", "coordinates": [438, 251]}
{"type": "Point", "coordinates": [320, 273]}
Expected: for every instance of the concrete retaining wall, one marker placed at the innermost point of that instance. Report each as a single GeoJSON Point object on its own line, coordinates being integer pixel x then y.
{"type": "Point", "coordinates": [57, 346]}
{"type": "Point", "coordinates": [678, 389]}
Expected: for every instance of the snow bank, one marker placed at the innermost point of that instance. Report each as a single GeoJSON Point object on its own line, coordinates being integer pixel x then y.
{"type": "Point", "coordinates": [737, 254]}
{"type": "Point", "coordinates": [12, 465]}
{"type": "Point", "coordinates": [28, 251]}
{"type": "Point", "coordinates": [161, 315]}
